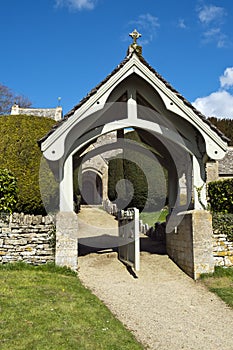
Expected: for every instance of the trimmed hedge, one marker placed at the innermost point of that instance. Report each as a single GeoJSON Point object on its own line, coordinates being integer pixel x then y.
{"type": "Point", "coordinates": [19, 152]}
{"type": "Point", "coordinates": [137, 168]}
{"type": "Point", "coordinates": [8, 191]}
{"type": "Point", "coordinates": [223, 224]}
{"type": "Point", "coordinates": [121, 192]}
{"type": "Point", "coordinates": [115, 174]}
{"type": "Point", "coordinates": [221, 196]}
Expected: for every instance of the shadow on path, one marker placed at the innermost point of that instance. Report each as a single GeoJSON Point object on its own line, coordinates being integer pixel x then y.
{"type": "Point", "coordinates": [110, 245]}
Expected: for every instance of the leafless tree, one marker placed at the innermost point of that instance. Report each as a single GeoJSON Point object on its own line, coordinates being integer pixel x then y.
{"type": "Point", "coordinates": [8, 98]}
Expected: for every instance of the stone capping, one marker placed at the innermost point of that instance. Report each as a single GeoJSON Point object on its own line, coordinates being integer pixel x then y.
{"type": "Point", "coordinates": [27, 219]}
{"type": "Point", "coordinates": [27, 238]}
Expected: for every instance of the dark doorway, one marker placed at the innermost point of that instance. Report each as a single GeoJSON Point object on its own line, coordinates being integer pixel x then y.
{"type": "Point", "coordinates": [92, 188]}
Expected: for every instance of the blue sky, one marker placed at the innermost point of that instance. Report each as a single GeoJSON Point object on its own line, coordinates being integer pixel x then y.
{"type": "Point", "coordinates": [64, 48]}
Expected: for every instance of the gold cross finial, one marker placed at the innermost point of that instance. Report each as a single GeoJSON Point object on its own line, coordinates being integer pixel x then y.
{"type": "Point", "coordinates": [135, 35]}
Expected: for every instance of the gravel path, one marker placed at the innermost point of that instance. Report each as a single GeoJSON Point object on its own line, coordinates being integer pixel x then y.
{"type": "Point", "coordinates": [163, 307]}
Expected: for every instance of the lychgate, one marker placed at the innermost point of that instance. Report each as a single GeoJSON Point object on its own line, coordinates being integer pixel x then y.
{"type": "Point", "coordinates": [135, 96]}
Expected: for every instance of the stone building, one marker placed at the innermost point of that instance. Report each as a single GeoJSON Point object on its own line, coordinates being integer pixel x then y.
{"type": "Point", "coordinates": [225, 166]}
{"type": "Point", "coordinates": [221, 169]}
{"type": "Point", "coordinates": [53, 113]}
{"type": "Point", "coordinates": [93, 175]}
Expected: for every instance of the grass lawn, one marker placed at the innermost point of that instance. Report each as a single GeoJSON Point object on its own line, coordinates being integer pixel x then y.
{"type": "Point", "coordinates": [221, 283]}
{"type": "Point", "coordinates": [46, 307]}
{"type": "Point", "coordinates": [151, 218]}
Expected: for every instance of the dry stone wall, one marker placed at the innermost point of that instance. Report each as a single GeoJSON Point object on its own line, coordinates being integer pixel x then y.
{"type": "Point", "coordinates": [31, 239]}
{"type": "Point", "coordinates": [222, 250]}
{"type": "Point", "coordinates": [26, 238]}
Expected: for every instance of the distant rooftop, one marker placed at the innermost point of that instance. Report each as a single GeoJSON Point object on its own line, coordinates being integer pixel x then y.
{"type": "Point", "coordinates": [225, 165]}
{"type": "Point", "coordinates": [53, 113]}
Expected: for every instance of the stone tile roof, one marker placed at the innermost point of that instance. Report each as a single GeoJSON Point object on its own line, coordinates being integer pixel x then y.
{"type": "Point", "coordinates": [225, 165]}
{"type": "Point", "coordinates": [168, 85]}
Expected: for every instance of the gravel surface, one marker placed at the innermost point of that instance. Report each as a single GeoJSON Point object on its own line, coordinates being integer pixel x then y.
{"type": "Point", "coordinates": [163, 307]}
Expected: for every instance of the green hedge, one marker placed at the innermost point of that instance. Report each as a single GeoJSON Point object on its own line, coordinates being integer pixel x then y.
{"type": "Point", "coordinates": [223, 224]}
{"type": "Point", "coordinates": [220, 195]}
{"type": "Point", "coordinates": [138, 167]}
{"type": "Point", "coordinates": [115, 174]}
{"type": "Point", "coordinates": [8, 191]}
{"type": "Point", "coordinates": [20, 154]}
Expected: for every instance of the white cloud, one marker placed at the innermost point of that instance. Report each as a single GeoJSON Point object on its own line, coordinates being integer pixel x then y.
{"type": "Point", "coordinates": [222, 41]}
{"type": "Point", "coordinates": [212, 18]}
{"type": "Point", "coordinates": [148, 21]}
{"type": "Point", "coordinates": [147, 24]}
{"type": "Point", "coordinates": [181, 23]}
{"type": "Point", "coordinates": [215, 35]}
{"type": "Point", "coordinates": [210, 13]}
{"type": "Point", "coordinates": [226, 80]}
{"type": "Point", "coordinates": [76, 4]}
{"type": "Point", "coordinates": [219, 103]}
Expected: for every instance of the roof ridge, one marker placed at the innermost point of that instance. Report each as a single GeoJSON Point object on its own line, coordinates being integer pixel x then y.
{"type": "Point", "coordinates": [115, 70]}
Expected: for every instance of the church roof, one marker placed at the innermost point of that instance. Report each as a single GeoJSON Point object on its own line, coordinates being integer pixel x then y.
{"type": "Point", "coordinates": [131, 52]}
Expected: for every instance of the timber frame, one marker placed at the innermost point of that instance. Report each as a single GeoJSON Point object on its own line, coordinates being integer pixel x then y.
{"type": "Point", "coordinates": [135, 96]}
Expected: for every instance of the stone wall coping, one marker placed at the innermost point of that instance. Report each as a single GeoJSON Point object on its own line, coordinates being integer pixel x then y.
{"type": "Point", "coordinates": [27, 219]}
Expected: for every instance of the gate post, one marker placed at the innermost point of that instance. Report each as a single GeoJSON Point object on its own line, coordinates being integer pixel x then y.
{"type": "Point", "coordinates": [190, 244]}
{"type": "Point", "coordinates": [203, 259]}
{"type": "Point", "coordinates": [129, 240]}
{"type": "Point", "coordinates": [67, 240]}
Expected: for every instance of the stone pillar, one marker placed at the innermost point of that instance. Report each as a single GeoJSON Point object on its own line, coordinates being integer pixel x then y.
{"type": "Point", "coordinates": [67, 240]}
{"type": "Point", "coordinates": [203, 259]}
{"type": "Point", "coordinates": [190, 244]}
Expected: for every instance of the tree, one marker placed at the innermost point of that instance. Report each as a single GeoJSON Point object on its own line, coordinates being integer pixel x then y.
{"type": "Point", "coordinates": [225, 125]}
{"type": "Point", "coordinates": [8, 98]}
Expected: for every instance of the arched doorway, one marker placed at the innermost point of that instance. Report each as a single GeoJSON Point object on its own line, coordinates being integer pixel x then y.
{"type": "Point", "coordinates": [92, 188]}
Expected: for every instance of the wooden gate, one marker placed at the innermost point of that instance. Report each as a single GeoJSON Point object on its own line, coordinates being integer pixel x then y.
{"type": "Point", "coordinates": [129, 241]}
